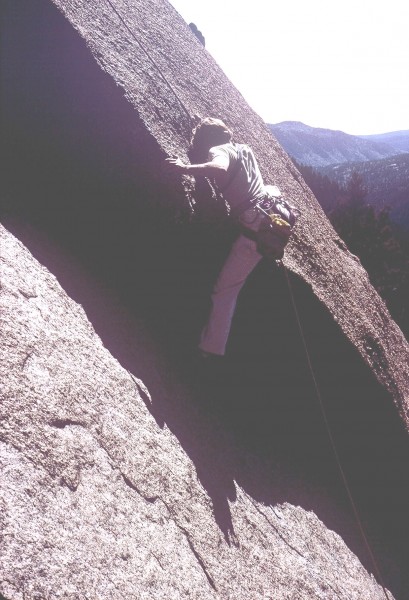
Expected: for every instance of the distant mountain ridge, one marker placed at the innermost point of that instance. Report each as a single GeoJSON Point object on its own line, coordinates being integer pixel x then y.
{"type": "Point", "coordinates": [318, 147]}
{"type": "Point", "coordinates": [397, 139]}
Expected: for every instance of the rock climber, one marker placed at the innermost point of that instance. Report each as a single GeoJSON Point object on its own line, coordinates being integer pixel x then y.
{"type": "Point", "coordinates": [234, 170]}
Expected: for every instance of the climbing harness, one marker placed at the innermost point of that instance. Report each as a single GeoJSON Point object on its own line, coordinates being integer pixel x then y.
{"type": "Point", "coordinates": [279, 218]}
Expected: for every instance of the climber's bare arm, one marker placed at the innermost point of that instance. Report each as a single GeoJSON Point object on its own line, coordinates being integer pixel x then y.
{"type": "Point", "coordinates": [212, 168]}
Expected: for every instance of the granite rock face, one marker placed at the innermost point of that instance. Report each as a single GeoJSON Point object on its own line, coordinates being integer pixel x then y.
{"type": "Point", "coordinates": [99, 501]}
{"type": "Point", "coordinates": [116, 483]}
{"type": "Point", "coordinates": [142, 45]}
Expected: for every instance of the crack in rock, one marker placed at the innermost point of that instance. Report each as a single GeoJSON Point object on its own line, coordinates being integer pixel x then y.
{"type": "Point", "coordinates": [277, 531]}
{"type": "Point", "coordinates": [28, 294]}
{"type": "Point", "coordinates": [141, 387]}
{"type": "Point", "coordinates": [130, 484]}
{"type": "Point", "coordinates": [26, 359]}
{"type": "Point", "coordinates": [197, 555]}
{"type": "Point", "coordinates": [63, 423]}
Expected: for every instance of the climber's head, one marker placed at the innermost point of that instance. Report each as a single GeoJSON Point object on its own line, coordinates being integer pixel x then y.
{"type": "Point", "coordinates": [208, 133]}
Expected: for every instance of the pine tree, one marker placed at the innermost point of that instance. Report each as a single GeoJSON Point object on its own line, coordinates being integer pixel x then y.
{"type": "Point", "coordinates": [373, 238]}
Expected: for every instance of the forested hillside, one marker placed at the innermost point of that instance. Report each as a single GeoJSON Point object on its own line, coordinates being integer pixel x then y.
{"type": "Point", "coordinates": [386, 182]}
{"type": "Point", "coordinates": [370, 233]}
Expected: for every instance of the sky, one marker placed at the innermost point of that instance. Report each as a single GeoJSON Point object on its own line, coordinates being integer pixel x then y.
{"type": "Point", "coordinates": [338, 65]}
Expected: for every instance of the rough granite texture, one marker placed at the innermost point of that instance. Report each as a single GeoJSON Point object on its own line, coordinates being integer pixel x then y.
{"type": "Point", "coordinates": [142, 45]}
{"type": "Point", "coordinates": [81, 454]}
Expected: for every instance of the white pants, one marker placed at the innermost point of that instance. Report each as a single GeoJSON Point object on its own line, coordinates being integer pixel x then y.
{"type": "Point", "coordinates": [239, 264]}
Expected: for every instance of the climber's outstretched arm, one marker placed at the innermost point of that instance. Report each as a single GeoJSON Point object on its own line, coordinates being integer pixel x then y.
{"type": "Point", "coordinates": [211, 168]}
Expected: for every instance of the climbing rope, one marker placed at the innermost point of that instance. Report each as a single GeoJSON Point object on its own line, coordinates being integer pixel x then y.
{"type": "Point", "coordinates": [317, 390]}
{"type": "Point", "coordinates": [150, 58]}
{"type": "Point", "coordinates": [332, 441]}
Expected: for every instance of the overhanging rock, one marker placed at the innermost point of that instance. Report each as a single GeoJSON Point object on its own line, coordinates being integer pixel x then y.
{"type": "Point", "coordinates": [99, 501]}
{"type": "Point", "coordinates": [143, 46]}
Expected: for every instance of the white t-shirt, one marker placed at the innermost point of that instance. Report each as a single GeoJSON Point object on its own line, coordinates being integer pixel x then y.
{"type": "Point", "coordinates": [247, 183]}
